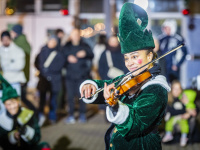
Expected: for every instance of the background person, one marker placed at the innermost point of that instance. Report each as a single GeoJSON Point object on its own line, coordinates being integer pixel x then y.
{"type": "Point", "coordinates": [79, 61]}
{"type": "Point", "coordinates": [168, 40]}
{"type": "Point", "coordinates": [12, 61]}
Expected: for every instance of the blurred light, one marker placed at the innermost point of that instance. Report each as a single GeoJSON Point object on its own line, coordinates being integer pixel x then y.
{"type": "Point", "coordinates": [103, 26]}
{"type": "Point", "coordinates": [97, 27]}
{"type": "Point", "coordinates": [142, 3]}
{"type": "Point", "coordinates": [82, 32]}
{"type": "Point", "coordinates": [9, 11]}
{"type": "Point", "coordinates": [185, 11]}
{"type": "Point", "coordinates": [64, 12]}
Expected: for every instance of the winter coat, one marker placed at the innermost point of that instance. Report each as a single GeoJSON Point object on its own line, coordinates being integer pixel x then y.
{"type": "Point", "coordinates": [176, 58]}
{"type": "Point", "coordinates": [26, 122]}
{"type": "Point", "coordinates": [12, 60]}
{"type": "Point", "coordinates": [52, 73]}
{"type": "Point", "coordinates": [22, 42]}
{"type": "Point", "coordinates": [81, 69]}
{"type": "Point", "coordinates": [137, 116]}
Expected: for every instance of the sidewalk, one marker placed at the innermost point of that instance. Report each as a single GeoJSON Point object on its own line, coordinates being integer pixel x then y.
{"type": "Point", "coordinates": [89, 136]}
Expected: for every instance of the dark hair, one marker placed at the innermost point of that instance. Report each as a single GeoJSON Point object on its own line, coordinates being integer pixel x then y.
{"type": "Point", "coordinates": [58, 31]}
{"type": "Point", "coordinates": [102, 39]}
{"type": "Point", "coordinates": [154, 53]}
{"type": "Point", "coordinates": [5, 33]}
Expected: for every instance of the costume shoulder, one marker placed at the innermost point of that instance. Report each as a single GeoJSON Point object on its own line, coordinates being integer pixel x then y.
{"type": "Point", "coordinates": [6, 123]}
{"type": "Point", "coordinates": [157, 80]}
{"type": "Point", "coordinates": [25, 116]}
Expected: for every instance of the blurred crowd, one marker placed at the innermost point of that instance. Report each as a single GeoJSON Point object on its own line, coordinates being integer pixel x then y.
{"type": "Point", "coordinates": [64, 62]}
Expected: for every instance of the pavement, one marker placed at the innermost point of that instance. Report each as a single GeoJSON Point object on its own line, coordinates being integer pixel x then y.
{"type": "Point", "coordinates": [88, 136]}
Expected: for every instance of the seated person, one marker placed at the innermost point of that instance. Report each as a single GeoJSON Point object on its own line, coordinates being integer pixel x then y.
{"type": "Point", "coordinates": [19, 128]}
{"type": "Point", "coordinates": [180, 108]}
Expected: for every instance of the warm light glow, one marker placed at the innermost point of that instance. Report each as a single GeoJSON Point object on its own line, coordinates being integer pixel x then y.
{"type": "Point", "coordinates": [142, 3]}
{"type": "Point", "coordinates": [9, 11]}
{"type": "Point", "coordinates": [99, 27]}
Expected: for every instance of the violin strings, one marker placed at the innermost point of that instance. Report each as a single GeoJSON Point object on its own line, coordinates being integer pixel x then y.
{"type": "Point", "coordinates": [130, 73]}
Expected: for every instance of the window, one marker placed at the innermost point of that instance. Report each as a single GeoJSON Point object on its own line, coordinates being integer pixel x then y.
{"type": "Point", "coordinates": [91, 6]}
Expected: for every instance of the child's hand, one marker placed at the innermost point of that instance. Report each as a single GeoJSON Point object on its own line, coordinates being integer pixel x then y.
{"type": "Point", "coordinates": [184, 99]}
{"type": "Point", "coordinates": [192, 112]}
{"type": "Point", "coordinates": [185, 116]}
{"type": "Point", "coordinates": [17, 135]}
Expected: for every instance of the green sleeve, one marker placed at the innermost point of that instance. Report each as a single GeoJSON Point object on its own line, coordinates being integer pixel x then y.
{"type": "Point", "coordinates": [37, 135]}
{"type": "Point", "coordinates": [100, 83]}
{"type": "Point", "coordinates": [22, 42]}
{"type": "Point", "coordinates": [146, 112]}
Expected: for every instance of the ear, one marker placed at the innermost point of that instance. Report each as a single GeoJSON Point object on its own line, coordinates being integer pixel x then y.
{"type": "Point", "coordinates": [150, 57]}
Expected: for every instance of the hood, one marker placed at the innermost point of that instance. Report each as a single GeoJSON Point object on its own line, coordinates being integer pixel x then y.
{"type": "Point", "coordinates": [172, 24]}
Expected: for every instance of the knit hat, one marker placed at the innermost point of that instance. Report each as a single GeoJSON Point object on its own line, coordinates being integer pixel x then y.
{"type": "Point", "coordinates": [133, 34]}
{"type": "Point", "coordinates": [5, 33]}
{"type": "Point", "coordinates": [8, 91]}
{"type": "Point", "coordinates": [17, 29]}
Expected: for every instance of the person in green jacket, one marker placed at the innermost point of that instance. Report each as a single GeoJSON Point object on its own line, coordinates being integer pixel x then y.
{"type": "Point", "coordinates": [19, 129]}
{"type": "Point", "coordinates": [20, 40]}
{"type": "Point", "coordinates": [138, 112]}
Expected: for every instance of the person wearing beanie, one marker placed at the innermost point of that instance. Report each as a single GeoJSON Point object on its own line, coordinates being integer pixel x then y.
{"type": "Point", "coordinates": [49, 62]}
{"type": "Point", "coordinates": [12, 60]}
{"type": "Point", "coordinates": [168, 40]}
{"type": "Point", "coordinates": [18, 125]}
{"type": "Point", "coordinates": [137, 113]}
{"type": "Point", "coordinates": [20, 40]}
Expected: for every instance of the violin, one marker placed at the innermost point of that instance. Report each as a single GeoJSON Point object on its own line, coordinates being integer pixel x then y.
{"type": "Point", "coordinates": [128, 81]}
{"type": "Point", "coordinates": [125, 86]}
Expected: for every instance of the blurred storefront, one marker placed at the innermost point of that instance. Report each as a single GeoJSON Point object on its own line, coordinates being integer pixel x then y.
{"type": "Point", "coordinates": [40, 17]}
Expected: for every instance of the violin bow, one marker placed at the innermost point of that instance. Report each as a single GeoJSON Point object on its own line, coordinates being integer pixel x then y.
{"type": "Point", "coordinates": [130, 73]}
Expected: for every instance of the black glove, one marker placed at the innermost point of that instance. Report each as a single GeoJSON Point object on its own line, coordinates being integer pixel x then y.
{"type": "Point", "coordinates": [22, 130]}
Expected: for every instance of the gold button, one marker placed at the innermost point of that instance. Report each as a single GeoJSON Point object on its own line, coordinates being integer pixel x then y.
{"type": "Point", "coordinates": [111, 145]}
{"type": "Point", "coordinates": [115, 130]}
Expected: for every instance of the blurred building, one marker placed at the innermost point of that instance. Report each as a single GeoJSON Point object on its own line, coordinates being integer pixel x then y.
{"type": "Point", "coordinates": [42, 17]}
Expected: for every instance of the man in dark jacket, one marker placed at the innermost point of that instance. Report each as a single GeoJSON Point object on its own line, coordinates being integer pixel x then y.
{"type": "Point", "coordinates": [50, 63]}
{"type": "Point", "coordinates": [79, 58]}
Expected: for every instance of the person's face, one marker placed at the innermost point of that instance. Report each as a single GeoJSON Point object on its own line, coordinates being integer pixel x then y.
{"type": "Point", "coordinates": [60, 35]}
{"type": "Point", "coordinates": [176, 90]}
{"type": "Point", "coordinates": [12, 106]}
{"type": "Point", "coordinates": [113, 42]}
{"type": "Point", "coordinates": [6, 41]}
{"type": "Point", "coordinates": [52, 43]}
{"type": "Point", "coordinates": [75, 36]}
{"type": "Point", "coordinates": [135, 60]}
{"type": "Point", "coordinates": [13, 34]}
{"type": "Point", "coordinates": [167, 30]}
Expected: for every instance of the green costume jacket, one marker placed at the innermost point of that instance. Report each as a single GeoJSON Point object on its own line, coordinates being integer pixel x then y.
{"type": "Point", "coordinates": [137, 117]}
{"type": "Point", "coordinates": [22, 42]}
{"type": "Point", "coordinates": [26, 120]}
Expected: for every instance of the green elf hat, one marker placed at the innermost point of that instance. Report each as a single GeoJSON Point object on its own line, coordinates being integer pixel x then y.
{"type": "Point", "coordinates": [8, 91]}
{"type": "Point", "coordinates": [132, 33]}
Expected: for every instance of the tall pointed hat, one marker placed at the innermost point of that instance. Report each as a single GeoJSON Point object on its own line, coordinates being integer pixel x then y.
{"type": "Point", "coordinates": [133, 34]}
{"type": "Point", "coordinates": [8, 91]}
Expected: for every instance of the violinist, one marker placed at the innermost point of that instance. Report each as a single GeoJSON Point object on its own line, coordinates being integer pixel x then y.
{"type": "Point", "coordinates": [137, 113]}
